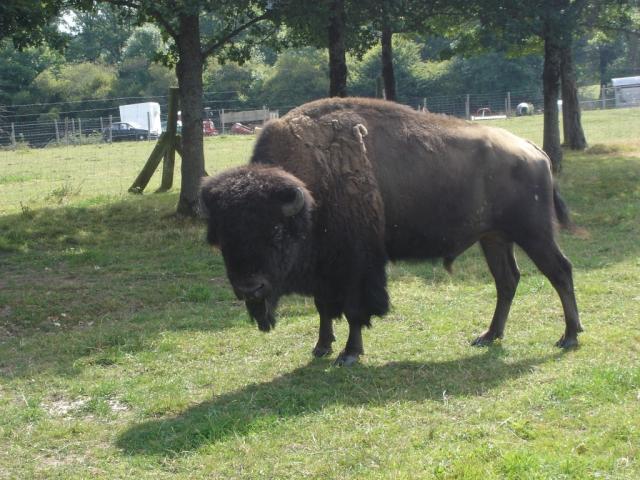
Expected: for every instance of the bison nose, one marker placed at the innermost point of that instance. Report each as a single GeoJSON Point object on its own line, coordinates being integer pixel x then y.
{"type": "Point", "coordinates": [253, 290]}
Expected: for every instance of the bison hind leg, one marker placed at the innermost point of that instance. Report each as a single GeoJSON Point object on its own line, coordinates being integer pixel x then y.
{"type": "Point", "coordinates": [546, 254]}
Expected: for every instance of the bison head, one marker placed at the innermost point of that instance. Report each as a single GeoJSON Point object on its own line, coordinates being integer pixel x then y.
{"type": "Point", "coordinates": [260, 218]}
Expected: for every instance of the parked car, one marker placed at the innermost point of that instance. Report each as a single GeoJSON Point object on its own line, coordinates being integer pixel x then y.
{"type": "Point", "coordinates": [121, 131]}
{"type": "Point", "coordinates": [241, 129]}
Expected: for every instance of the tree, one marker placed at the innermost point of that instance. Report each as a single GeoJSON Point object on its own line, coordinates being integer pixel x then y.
{"type": "Point", "coordinates": [341, 26]}
{"type": "Point", "coordinates": [139, 74]}
{"type": "Point", "coordinates": [198, 29]}
{"type": "Point", "coordinates": [98, 35]}
{"type": "Point", "coordinates": [513, 23]}
{"type": "Point", "coordinates": [75, 82]}
{"type": "Point", "coordinates": [299, 76]}
{"type": "Point", "coordinates": [18, 69]}
{"type": "Point", "coordinates": [386, 58]}
{"type": "Point", "coordinates": [337, 50]}
{"type": "Point", "coordinates": [407, 67]}
{"type": "Point", "coordinates": [31, 22]}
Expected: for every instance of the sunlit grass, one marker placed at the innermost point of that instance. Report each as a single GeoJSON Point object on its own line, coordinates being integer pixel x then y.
{"type": "Point", "coordinates": [91, 174]}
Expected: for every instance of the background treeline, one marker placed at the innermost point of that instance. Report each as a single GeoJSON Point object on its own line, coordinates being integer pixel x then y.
{"type": "Point", "coordinates": [106, 57]}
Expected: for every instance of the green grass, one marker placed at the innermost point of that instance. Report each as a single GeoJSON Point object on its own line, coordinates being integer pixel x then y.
{"type": "Point", "coordinates": [600, 126]}
{"type": "Point", "coordinates": [124, 354]}
{"type": "Point", "coordinates": [94, 174]}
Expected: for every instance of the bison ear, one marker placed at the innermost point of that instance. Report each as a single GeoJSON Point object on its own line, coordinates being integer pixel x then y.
{"type": "Point", "coordinates": [208, 196]}
{"type": "Point", "coordinates": [292, 201]}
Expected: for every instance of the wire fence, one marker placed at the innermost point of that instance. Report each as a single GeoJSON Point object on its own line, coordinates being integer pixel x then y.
{"type": "Point", "coordinates": [92, 121]}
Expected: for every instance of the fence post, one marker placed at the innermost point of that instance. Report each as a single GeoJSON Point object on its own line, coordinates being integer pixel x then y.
{"type": "Point", "coordinates": [424, 104]}
{"type": "Point", "coordinates": [101, 126]}
{"type": "Point", "coordinates": [603, 95]}
{"type": "Point", "coordinates": [80, 130]}
{"type": "Point", "coordinates": [168, 164]}
{"type": "Point", "coordinates": [148, 126]}
{"type": "Point", "coordinates": [110, 128]}
{"type": "Point", "coordinates": [222, 120]}
{"type": "Point", "coordinates": [508, 112]}
{"type": "Point", "coordinates": [55, 123]}
{"type": "Point", "coordinates": [467, 107]}
{"type": "Point", "coordinates": [66, 130]}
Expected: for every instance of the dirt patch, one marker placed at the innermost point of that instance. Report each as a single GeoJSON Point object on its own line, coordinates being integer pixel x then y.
{"type": "Point", "coordinates": [117, 406]}
{"type": "Point", "coordinates": [63, 407]}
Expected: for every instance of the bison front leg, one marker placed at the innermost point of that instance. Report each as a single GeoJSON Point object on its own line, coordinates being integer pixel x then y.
{"type": "Point", "coordinates": [353, 349]}
{"type": "Point", "coordinates": [328, 312]}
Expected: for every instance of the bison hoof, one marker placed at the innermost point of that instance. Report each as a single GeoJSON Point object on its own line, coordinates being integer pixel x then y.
{"type": "Point", "coordinates": [346, 359]}
{"type": "Point", "coordinates": [567, 342]}
{"type": "Point", "coordinates": [485, 339]}
{"type": "Point", "coordinates": [321, 351]}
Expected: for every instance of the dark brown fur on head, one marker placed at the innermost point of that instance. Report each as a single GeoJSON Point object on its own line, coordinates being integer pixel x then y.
{"type": "Point", "coordinates": [260, 218]}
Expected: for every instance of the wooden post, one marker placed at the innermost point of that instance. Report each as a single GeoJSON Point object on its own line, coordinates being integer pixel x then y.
{"type": "Point", "coordinates": [80, 129]}
{"type": "Point", "coordinates": [73, 128]}
{"type": "Point", "coordinates": [145, 175]}
{"type": "Point", "coordinates": [55, 123]}
{"type": "Point", "coordinates": [167, 145]}
{"type": "Point", "coordinates": [170, 153]}
{"type": "Point", "coordinates": [101, 126]}
{"type": "Point", "coordinates": [222, 120]}
{"type": "Point", "coordinates": [110, 128]}
{"type": "Point", "coordinates": [467, 107]}
{"type": "Point", "coordinates": [603, 94]}
{"type": "Point", "coordinates": [424, 104]}
{"type": "Point", "coordinates": [13, 135]}
{"type": "Point", "coordinates": [508, 104]}
{"type": "Point", "coordinates": [148, 126]}
{"type": "Point", "coordinates": [66, 130]}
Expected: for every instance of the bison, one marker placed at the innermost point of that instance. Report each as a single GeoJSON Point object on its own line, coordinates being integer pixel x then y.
{"type": "Point", "coordinates": [338, 187]}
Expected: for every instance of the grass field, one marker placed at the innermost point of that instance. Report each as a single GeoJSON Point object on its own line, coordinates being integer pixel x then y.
{"type": "Point", "coordinates": [124, 354]}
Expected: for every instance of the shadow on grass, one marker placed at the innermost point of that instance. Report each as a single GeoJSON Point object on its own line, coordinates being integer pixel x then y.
{"type": "Point", "coordinates": [312, 388]}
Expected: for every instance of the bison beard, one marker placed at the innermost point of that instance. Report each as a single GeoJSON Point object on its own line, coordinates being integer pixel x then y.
{"type": "Point", "coordinates": [333, 192]}
{"type": "Point", "coordinates": [263, 313]}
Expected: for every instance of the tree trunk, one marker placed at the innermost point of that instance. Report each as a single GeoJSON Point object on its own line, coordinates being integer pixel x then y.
{"type": "Point", "coordinates": [571, 124]}
{"type": "Point", "coordinates": [551, 88]}
{"type": "Point", "coordinates": [189, 72]}
{"type": "Point", "coordinates": [337, 55]}
{"type": "Point", "coordinates": [388, 75]}
{"type": "Point", "coordinates": [633, 45]}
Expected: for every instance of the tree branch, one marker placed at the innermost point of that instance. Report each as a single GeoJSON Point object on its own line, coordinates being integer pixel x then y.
{"type": "Point", "coordinates": [220, 42]}
{"type": "Point", "coordinates": [156, 14]}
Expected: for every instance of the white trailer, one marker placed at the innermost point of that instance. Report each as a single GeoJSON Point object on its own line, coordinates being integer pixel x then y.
{"type": "Point", "coordinates": [142, 115]}
{"type": "Point", "coordinates": [627, 91]}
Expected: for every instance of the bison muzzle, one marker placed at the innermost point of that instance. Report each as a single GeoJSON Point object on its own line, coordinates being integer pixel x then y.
{"type": "Point", "coordinates": [338, 187]}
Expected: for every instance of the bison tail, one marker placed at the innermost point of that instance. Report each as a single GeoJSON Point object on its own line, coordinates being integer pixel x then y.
{"type": "Point", "coordinates": [562, 215]}
{"type": "Point", "coordinates": [562, 211]}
